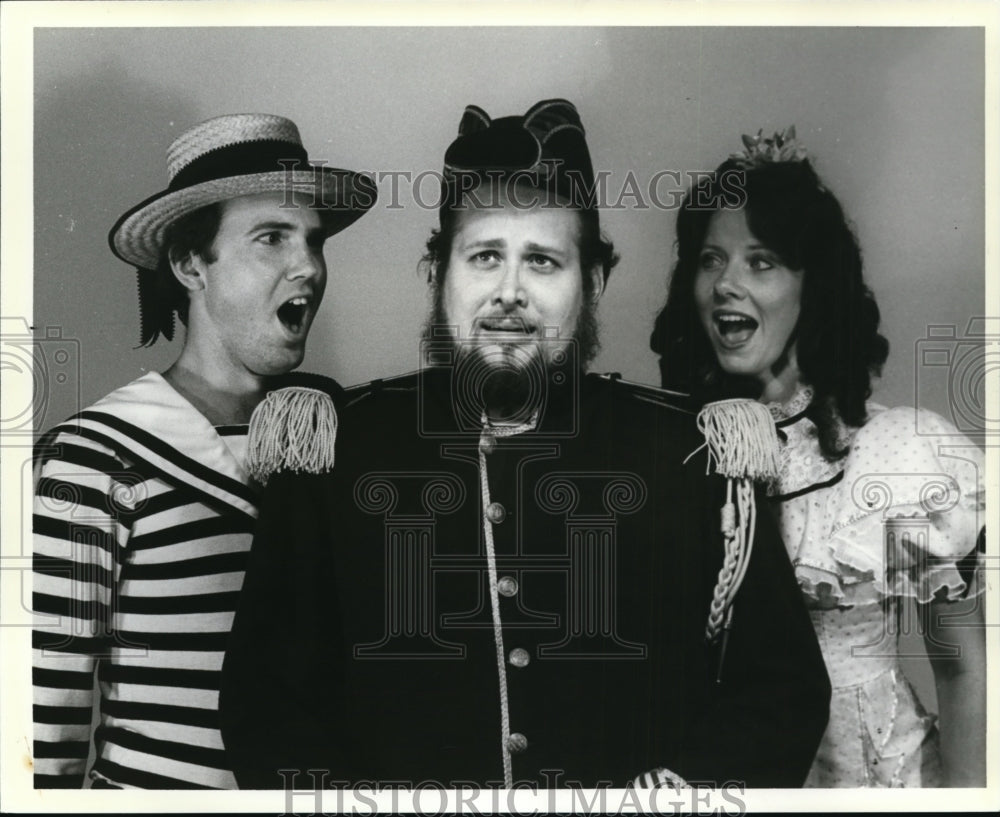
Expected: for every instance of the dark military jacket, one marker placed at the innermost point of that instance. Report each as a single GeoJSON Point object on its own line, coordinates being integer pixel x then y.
{"type": "Point", "coordinates": [405, 619]}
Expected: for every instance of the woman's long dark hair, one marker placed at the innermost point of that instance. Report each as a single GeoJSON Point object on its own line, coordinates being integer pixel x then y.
{"type": "Point", "coordinates": [838, 345]}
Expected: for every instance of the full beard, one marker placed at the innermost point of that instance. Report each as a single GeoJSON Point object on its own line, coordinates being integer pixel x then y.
{"type": "Point", "coordinates": [508, 380]}
{"type": "Point", "coordinates": [504, 380]}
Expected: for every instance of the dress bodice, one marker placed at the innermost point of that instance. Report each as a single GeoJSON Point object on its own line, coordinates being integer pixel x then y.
{"type": "Point", "coordinates": [897, 517]}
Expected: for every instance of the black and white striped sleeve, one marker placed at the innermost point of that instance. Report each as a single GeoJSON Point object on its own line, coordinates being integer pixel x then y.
{"type": "Point", "coordinates": [80, 527]}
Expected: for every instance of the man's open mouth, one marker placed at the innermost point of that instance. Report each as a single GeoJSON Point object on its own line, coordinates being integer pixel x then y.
{"type": "Point", "coordinates": [734, 328]}
{"type": "Point", "coordinates": [293, 313]}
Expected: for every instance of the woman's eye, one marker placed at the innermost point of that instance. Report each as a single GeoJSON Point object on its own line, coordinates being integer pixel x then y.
{"type": "Point", "coordinates": [709, 261]}
{"type": "Point", "coordinates": [760, 263]}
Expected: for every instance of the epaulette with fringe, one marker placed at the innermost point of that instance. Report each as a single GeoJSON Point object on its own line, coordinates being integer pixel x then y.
{"type": "Point", "coordinates": [294, 428]}
{"type": "Point", "coordinates": [309, 380]}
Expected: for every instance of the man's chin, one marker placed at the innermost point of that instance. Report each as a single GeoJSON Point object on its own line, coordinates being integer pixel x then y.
{"type": "Point", "coordinates": [280, 365]}
{"type": "Point", "coordinates": [504, 378]}
{"type": "Point", "coordinates": [512, 358]}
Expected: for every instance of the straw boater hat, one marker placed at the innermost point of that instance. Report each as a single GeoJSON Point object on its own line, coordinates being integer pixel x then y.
{"type": "Point", "coordinates": [236, 155]}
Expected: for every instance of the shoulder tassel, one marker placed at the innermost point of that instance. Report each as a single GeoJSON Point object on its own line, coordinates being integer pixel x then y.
{"type": "Point", "coordinates": [293, 429]}
{"type": "Point", "coordinates": [741, 439]}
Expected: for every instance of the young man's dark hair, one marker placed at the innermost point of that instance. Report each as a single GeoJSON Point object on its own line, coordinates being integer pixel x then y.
{"type": "Point", "coordinates": [161, 295]}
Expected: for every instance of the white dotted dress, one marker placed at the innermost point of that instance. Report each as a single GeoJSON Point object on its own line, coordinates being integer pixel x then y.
{"type": "Point", "coordinates": [897, 517]}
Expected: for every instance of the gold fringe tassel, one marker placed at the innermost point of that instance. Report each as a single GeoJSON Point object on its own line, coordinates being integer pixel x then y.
{"type": "Point", "coordinates": [741, 439]}
{"type": "Point", "coordinates": [295, 429]}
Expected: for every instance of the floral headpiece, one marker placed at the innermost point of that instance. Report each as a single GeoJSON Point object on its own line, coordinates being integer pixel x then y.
{"type": "Point", "coordinates": [758, 150]}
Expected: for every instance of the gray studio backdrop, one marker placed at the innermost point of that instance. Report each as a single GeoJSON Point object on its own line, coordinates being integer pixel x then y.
{"type": "Point", "coordinates": [894, 117]}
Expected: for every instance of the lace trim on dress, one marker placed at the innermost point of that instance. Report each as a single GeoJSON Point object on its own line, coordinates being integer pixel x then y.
{"type": "Point", "coordinates": [794, 405]}
{"type": "Point", "coordinates": [905, 512]}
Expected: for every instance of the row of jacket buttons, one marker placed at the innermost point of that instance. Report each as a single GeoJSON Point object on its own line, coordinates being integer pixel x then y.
{"type": "Point", "coordinates": [506, 586]}
{"type": "Point", "coordinates": [519, 657]}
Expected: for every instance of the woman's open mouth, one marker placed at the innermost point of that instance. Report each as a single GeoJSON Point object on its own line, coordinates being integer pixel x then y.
{"type": "Point", "coordinates": [734, 328]}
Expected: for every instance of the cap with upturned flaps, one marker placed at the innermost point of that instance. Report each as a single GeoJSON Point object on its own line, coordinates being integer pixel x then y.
{"type": "Point", "coordinates": [546, 148]}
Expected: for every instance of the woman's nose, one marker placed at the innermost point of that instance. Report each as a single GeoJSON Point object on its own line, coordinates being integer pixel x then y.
{"type": "Point", "coordinates": [729, 283]}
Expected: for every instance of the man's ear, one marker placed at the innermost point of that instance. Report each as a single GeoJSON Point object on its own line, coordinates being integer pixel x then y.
{"type": "Point", "coordinates": [597, 281]}
{"type": "Point", "coordinates": [189, 269]}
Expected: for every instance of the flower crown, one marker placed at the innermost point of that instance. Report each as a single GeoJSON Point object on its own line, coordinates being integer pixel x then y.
{"type": "Point", "coordinates": [760, 150]}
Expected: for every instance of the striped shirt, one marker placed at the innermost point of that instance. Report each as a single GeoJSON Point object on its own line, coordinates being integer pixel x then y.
{"type": "Point", "coordinates": [143, 520]}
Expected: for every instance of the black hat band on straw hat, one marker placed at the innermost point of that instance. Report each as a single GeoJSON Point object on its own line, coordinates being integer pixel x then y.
{"type": "Point", "coordinates": [264, 156]}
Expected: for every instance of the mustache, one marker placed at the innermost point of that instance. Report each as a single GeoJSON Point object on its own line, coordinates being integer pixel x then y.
{"type": "Point", "coordinates": [586, 334]}
{"type": "Point", "coordinates": [504, 322]}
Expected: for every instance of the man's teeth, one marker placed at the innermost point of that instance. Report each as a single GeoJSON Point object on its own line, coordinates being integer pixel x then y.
{"type": "Point", "coordinates": [293, 311]}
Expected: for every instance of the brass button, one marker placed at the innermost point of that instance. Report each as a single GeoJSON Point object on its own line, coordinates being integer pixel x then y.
{"type": "Point", "coordinates": [507, 586]}
{"type": "Point", "coordinates": [516, 743]}
{"type": "Point", "coordinates": [495, 512]}
{"type": "Point", "coordinates": [519, 657]}
{"type": "Point", "coordinates": [487, 443]}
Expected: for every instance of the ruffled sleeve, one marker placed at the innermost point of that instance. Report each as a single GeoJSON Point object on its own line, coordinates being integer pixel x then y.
{"type": "Point", "coordinates": [910, 506]}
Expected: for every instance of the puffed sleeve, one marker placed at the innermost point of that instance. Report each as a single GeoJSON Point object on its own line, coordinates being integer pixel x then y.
{"type": "Point", "coordinates": [910, 507]}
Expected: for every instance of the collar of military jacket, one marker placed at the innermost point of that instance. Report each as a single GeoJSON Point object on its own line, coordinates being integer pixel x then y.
{"type": "Point", "coordinates": [450, 401]}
